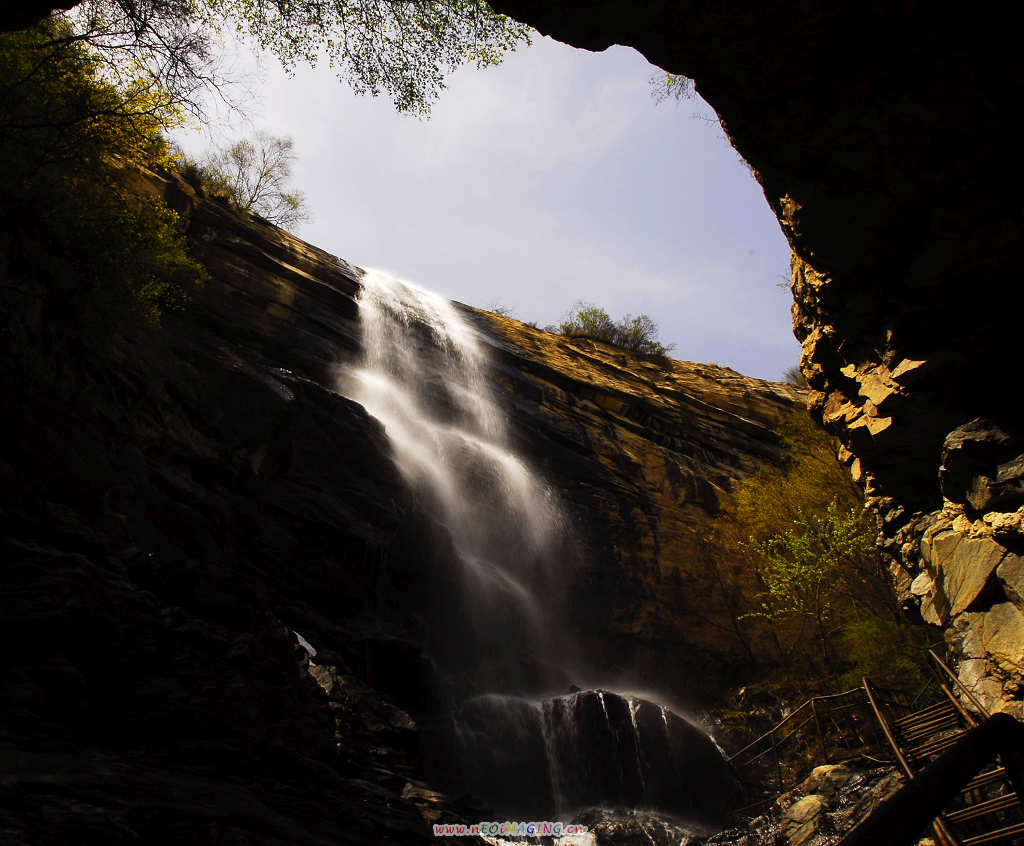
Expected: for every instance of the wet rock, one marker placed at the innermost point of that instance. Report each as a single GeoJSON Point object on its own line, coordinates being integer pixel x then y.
{"type": "Point", "coordinates": [803, 819]}
{"type": "Point", "coordinates": [831, 801]}
{"type": "Point", "coordinates": [617, 828]}
{"type": "Point", "coordinates": [588, 748]}
{"type": "Point", "coordinates": [670, 441]}
{"type": "Point", "coordinates": [827, 779]}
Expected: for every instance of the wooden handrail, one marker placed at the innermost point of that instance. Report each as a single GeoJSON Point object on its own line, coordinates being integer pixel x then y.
{"type": "Point", "coordinates": [942, 833]}
{"type": "Point", "coordinates": [791, 716]}
{"type": "Point", "coordinates": [884, 723]}
{"type": "Point", "coordinates": [959, 684]}
{"type": "Point", "coordinates": [899, 818]}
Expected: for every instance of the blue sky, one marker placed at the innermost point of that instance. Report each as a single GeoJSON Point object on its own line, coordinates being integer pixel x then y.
{"type": "Point", "coordinates": [550, 179]}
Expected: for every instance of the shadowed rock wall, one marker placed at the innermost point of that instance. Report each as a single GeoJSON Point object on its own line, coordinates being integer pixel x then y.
{"type": "Point", "coordinates": [175, 508]}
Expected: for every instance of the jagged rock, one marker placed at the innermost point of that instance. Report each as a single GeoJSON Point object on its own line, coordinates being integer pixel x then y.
{"type": "Point", "coordinates": [827, 779]}
{"type": "Point", "coordinates": [982, 464]}
{"type": "Point", "coordinates": [625, 828]}
{"type": "Point", "coordinates": [1001, 632]}
{"type": "Point", "coordinates": [844, 797]}
{"type": "Point", "coordinates": [965, 566]}
{"type": "Point", "coordinates": [1010, 573]}
{"type": "Point", "coordinates": [971, 581]}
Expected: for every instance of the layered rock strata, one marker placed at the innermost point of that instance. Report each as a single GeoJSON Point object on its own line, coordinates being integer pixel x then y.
{"type": "Point", "coordinates": [644, 454]}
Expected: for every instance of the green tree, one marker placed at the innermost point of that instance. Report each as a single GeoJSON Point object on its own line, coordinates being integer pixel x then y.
{"type": "Point", "coordinates": [807, 570]}
{"type": "Point", "coordinates": [399, 48]}
{"type": "Point", "coordinates": [255, 174]}
{"type": "Point", "coordinates": [795, 557]}
{"type": "Point", "coordinates": [82, 242]}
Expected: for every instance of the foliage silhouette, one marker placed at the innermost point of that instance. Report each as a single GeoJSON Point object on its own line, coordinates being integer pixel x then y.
{"type": "Point", "coordinates": [637, 334]}
{"type": "Point", "coordinates": [86, 241]}
{"type": "Point", "coordinates": [255, 173]}
{"type": "Point", "coordinates": [400, 48]}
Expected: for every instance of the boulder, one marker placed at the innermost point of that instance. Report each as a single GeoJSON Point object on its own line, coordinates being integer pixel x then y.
{"type": "Point", "coordinates": [827, 779]}
{"type": "Point", "coordinates": [590, 748]}
{"type": "Point", "coordinates": [803, 819]}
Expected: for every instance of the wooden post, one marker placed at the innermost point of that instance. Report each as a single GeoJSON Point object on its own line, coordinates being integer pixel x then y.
{"type": "Point", "coordinates": [821, 735]}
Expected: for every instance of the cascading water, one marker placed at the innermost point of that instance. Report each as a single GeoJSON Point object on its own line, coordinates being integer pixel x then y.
{"type": "Point", "coordinates": [425, 378]}
{"type": "Point", "coordinates": [590, 748]}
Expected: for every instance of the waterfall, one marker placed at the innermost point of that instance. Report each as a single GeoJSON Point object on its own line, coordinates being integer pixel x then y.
{"type": "Point", "coordinates": [424, 376]}
{"type": "Point", "coordinates": [586, 749]}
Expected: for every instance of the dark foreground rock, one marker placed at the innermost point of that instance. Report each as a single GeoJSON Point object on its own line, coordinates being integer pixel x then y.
{"type": "Point", "coordinates": [175, 507]}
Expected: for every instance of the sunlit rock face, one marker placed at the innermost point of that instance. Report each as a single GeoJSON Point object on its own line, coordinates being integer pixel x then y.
{"type": "Point", "coordinates": [644, 456]}
{"type": "Point", "coordinates": [880, 136]}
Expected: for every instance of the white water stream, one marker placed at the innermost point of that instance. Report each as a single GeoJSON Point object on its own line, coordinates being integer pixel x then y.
{"type": "Point", "coordinates": [424, 376]}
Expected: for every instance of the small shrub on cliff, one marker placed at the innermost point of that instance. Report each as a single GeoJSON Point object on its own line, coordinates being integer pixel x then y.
{"type": "Point", "coordinates": [670, 86]}
{"type": "Point", "coordinates": [637, 334]}
{"type": "Point", "coordinates": [794, 376]}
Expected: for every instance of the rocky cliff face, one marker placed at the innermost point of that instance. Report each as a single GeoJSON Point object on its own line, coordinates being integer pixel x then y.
{"type": "Point", "coordinates": [218, 590]}
{"type": "Point", "coordinates": [644, 455]}
{"type": "Point", "coordinates": [880, 135]}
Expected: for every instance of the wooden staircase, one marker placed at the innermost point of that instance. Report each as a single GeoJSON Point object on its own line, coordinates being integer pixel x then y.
{"type": "Point", "coordinates": [988, 809]}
